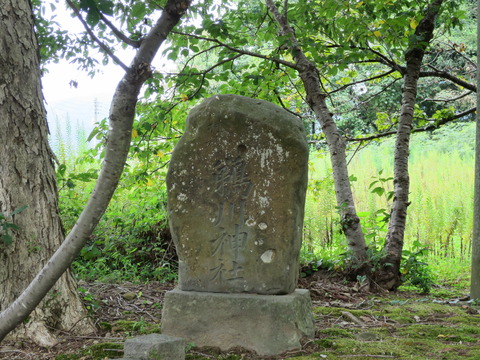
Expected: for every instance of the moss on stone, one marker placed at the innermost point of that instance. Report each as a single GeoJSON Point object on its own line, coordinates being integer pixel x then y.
{"type": "Point", "coordinates": [99, 351]}
{"type": "Point", "coordinates": [103, 350]}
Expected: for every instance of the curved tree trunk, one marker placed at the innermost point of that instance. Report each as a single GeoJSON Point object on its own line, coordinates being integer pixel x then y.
{"type": "Point", "coordinates": [389, 277]}
{"type": "Point", "coordinates": [316, 99]}
{"type": "Point", "coordinates": [122, 113]}
{"type": "Point", "coordinates": [27, 178]}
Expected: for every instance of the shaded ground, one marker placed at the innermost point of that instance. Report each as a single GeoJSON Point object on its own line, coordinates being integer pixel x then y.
{"type": "Point", "coordinates": [351, 323]}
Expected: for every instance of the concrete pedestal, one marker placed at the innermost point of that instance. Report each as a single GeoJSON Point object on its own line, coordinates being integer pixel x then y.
{"type": "Point", "coordinates": [155, 347]}
{"type": "Point", "coordinates": [266, 324]}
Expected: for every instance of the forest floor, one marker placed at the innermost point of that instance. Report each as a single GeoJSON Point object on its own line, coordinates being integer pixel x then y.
{"type": "Point", "coordinates": [351, 323]}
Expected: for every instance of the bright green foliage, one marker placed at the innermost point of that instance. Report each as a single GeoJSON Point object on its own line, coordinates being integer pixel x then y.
{"type": "Point", "coordinates": [132, 242]}
{"type": "Point", "coordinates": [415, 271]}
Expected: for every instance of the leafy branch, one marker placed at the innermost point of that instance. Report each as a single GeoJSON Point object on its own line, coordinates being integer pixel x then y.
{"type": "Point", "coordinates": [90, 32]}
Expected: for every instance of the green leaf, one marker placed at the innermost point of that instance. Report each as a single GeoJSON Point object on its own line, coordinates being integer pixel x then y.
{"type": "Point", "coordinates": [106, 7]}
{"type": "Point", "coordinates": [93, 17]}
{"type": "Point", "coordinates": [94, 132]}
{"type": "Point", "coordinates": [61, 170]}
{"type": "Point", "coordinates": [7, 239]}
{"type": "Point", "coordinates": [11, 226]}
{"type": "Point", "coordinates": [90, 252]}
{"type": "Point", "coordinates": [85, 176]}
{"type": "Point", "coordinates": [139, 10]}
{"type": "Point", "coordinates": [19, 210]}
{"type": "Point", "coordinates": [378, 190]}
{"type": "Point", "coordinates": [363, 213]}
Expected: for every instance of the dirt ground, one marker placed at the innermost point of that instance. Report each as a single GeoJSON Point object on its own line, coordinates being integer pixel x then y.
{"type": "Point", "coordinates": [351, 323]}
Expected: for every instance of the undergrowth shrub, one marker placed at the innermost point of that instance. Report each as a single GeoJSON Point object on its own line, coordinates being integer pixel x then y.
{"type": "Point", "coordinates": [132, 242]}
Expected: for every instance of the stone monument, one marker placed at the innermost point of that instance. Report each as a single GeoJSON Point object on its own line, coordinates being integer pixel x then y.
{"type": "Point", "coordinates": [236, 194]}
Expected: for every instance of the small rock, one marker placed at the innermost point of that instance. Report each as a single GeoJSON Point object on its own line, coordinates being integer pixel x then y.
{"type": "Point", "coordinates": [129, 296]}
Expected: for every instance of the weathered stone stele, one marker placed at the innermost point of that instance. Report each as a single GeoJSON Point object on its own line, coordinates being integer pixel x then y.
{"type": "Point", "coordinates": [236, 194]}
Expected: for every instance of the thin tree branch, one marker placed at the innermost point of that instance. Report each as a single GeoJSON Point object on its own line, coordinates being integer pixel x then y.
{"type": "Point", "coordinates": [389, 62]}
{"type": "Point", "coordinates": [208, 69]}
{"type": "Point", "coordinates": [450, 100]}
{"type": "Point", "coordinates": [104, 47]}
{"type": "Point", "coordinates": [204, 73]}
{"type": "Point", "coordinates": [120, 35]}
{"type": "Point", "coordinates": [362, 81]}
{"type": "Point", "coordinates": [197, 54]}
{"type": "Point", "coordinates": [445, 75]}
{"type": "Point", "coordinates": [436, 124]}
{"type": "Point", "coordinates": [381, 90]}
{"type": "Point", "coordinates": [280, 101]}
{"type": "Point", "coordinates": [240, 51]}
{"type": "Point", "coordinates": [453, 48]}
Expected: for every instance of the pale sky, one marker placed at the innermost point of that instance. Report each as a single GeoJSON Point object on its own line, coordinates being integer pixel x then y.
{"type": "Point", "coordinates": [78, 103]}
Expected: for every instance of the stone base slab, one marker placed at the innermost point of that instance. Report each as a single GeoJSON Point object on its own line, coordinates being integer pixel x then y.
{"type": "Point", "coordinates": [155, 347]}
{"type": "Point", "coordinates": [266, 324]}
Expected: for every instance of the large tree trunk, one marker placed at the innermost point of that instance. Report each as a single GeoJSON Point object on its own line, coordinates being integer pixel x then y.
{"type": "Point", "coordinates": [121, 117]}
{"type": "Point", "coordinates": [475, 274]}
{"type": "Point", "coordinates": [27, 177]}
{"type": "Point", "coordinates": [336, 143]}
{"type": "Point", "coordinates": [389, 277]}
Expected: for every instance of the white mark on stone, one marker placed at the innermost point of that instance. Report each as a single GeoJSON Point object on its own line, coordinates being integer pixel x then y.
{"type": "Point", "coordinates": [264, 201]}
{"type": "Point", "coordinates": [262, 226]}
{"type": "Point", "coordinates": [264, 157]}
{"type": "Point", "coordinates": [267, 256]}
{"type": "Point", "coordinates": [181, 197]}
{"type": "Point", "coordinates": [250, 221]}
{"type": "Point", "coordinates": [258, 242]}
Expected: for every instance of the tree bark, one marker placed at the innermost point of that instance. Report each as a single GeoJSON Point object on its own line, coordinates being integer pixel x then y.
{"type": "Point", "coordinates": [389, 277]}
{"type": "Point", "coordinates": [27, 178]}
{"type": "Point", "coordinates": [336, 143]}
{"type": "Point", "coordinates": [475, 272]}
{"type": "Point", "coordinates": [121, 118]}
